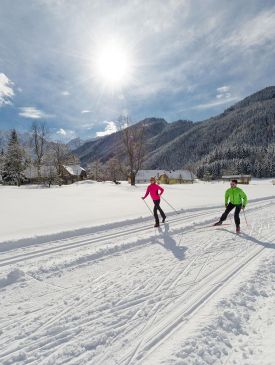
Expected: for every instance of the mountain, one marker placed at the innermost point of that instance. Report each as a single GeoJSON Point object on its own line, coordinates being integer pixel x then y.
{"type": "Point", "coordinates": [239, 140]}
{"type": "Point", "coordinates": [157, 132]}
{"type": "Point", "coordinates": [75, 143]}
{"type": "Point", "coordinates": [249, 125]}
{"type": "Point", "coordinates": [104, 148]}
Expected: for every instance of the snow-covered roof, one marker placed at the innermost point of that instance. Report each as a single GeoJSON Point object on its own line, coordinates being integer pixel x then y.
{"type": "Point", "coordinates": [146, 174]}
{"type": "Point", "coordinates": [172, 174]}
{"type": "Point", "coordinates": [236, 176]}
{"type": "Point", "coordinates": [74, 170]}
{"type": "Point", "coordinates": [180, 174]}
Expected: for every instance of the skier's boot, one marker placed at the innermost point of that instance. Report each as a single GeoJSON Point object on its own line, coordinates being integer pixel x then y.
{"type": "Point", "coordinates": [163, 219]}
{"type": "Point", "coordinates": [156, 225]}
{"type": "Point", "coordinates": [219, 223]}
{"type": "Point", "coordinates": [238, 229]}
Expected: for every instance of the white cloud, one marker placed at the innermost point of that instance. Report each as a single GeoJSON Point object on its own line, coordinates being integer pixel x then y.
{"type": "Point", "coordinates": [215, 103]}
{"type": "Point", "coordinates": [65, 135]}
{"type": "Point", "coordinates": [61, 132]}
{"type": "Point", "coordinates": [223, 92]}
{"type": "Point", "coordinates": [6, 90]}
{"type": "Point", "coordinates": [88, 126]}
{"type": "Point", "coordinates": [223, 89]}
{"type": "Point", "coordinates": [85, 111]}
{"type": "Point", "coordinates": [256, 31]}
{"type": "Point", "coordinates": [65, 93]}
{"type": "Point", "coordinates": [109, 129]}
{"type": "Point", "coordinates": [33, 113]}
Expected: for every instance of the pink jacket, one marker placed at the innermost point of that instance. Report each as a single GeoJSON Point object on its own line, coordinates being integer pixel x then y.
{"type": "Point", "coordinates": [153, 190]}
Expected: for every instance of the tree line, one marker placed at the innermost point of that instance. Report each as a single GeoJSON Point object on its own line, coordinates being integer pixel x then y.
{"type": "Point", "coordinates": [248, 160]}
{"type": "Point", "coordinates": [39, 153]}
{"type": "Point", "coordinates": [47, 158]}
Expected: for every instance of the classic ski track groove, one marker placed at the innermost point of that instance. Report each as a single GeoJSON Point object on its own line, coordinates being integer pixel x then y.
{"type": "Point", "coordinates": [164, 303]}
{"type": "Point", "coordinates": [191, 263]}
{"type": "Point", "coordinates": [170, 328]}
{"type": "Point", "coordinates": [152, 344]}
{"type": "Point", "coordinates": [88, 241]}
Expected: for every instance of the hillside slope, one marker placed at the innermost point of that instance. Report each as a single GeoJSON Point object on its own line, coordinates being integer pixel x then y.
{"type": "Point", "coordinates": [250, 122]}
{"type": "Point", "coordinates": [249, 125]}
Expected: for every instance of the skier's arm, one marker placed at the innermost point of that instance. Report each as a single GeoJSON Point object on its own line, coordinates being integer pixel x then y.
{"type": "Point", "coordinates": [226, 197]}
{"type": "Point", "coordinates": [161, 190]}
{"type": "Point", "coordinates": [244, 198]}
{"type": "Point", "coordinates": [146, 194]}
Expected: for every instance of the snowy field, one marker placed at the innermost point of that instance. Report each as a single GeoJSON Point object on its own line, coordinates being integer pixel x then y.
{"type": "Point", "coordinates": [86, 279]}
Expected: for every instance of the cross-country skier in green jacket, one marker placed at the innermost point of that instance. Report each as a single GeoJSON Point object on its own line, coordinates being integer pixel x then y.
{"type": "Point", "coordinates": [234, 198]}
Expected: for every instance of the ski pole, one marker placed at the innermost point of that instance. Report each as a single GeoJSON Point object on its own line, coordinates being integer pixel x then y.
{"type": "Point", "coordinates": [170, 205]}
{"type": "Point", "coordinates": [150, 210]}
{"type": "Point", "coordinates": [245, 217]}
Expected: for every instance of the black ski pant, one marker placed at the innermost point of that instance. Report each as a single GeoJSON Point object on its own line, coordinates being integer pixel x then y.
{"type": "Point", "coordinates": [228, 209]}
{"type": "Point", "coordinates": [156, 208]}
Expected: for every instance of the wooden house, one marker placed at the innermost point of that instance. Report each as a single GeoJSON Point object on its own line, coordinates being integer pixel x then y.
{"type": "Point", "coordinates": [73, 173]}
{"type": "Point", "coordinates": [165, 176]}
{"type": "Point", "coordinates": [242, 179]}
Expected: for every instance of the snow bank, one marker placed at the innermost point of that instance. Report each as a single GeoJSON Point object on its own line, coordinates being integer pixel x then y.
{"type": "Point", "coordinates": [237, 320]}
{"type": "Point", "coordinates": [30, 211]}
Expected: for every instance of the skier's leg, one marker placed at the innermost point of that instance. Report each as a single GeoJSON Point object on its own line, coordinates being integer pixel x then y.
{"type": "Point", "coordinates": [163, 216]}
{"type": "Point", "coordinates": [226, 212]}
{"type": "Point", "coordinates": [237, 215]}
{"type": "Point", "coordinates": [156, 202]}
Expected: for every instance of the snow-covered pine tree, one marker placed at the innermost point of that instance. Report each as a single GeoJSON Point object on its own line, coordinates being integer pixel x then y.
{"type": "Point", "coordinates": [2, 159]}
{"type": "Point", "coordinates": [15, 161]}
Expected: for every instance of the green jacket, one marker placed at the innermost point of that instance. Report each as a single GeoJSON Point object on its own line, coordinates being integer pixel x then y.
{"type": "Point", "coordinates": [235, 196]}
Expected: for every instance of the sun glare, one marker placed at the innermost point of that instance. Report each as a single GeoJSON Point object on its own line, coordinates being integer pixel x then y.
{"type": "Point", "coordinates": [112, 65]}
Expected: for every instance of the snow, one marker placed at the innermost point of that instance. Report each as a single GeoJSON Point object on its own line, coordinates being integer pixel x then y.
{"type": "Point", "coordinates": [85, 279]}
{"type": "Point", "coordinates": [32, 211]}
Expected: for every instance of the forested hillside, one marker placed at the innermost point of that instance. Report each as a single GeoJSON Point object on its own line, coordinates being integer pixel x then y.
{"type": "Point", "coordinates": [240, 140]}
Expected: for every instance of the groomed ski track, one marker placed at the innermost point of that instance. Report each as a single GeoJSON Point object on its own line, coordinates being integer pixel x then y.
{"type": "Point", "coordinates": [117, 293]}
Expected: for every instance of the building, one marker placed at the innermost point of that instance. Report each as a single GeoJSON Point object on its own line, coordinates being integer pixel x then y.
{"type": "Point", "coordinates": [72, 173]}
{"type": "Point", "coordinates": [165, 176]}
{"type": "Point", "coordinates": [242, 179]}
{"type": "Point", "coordinates": [69, 174]}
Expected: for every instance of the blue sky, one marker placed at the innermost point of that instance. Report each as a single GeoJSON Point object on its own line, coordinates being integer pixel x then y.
{"type": "Point", "coordinates": [189, 59]}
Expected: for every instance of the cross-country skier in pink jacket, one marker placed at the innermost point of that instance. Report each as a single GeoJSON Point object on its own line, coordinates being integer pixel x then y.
{"type": "Point", "coordinates": [153, 189]}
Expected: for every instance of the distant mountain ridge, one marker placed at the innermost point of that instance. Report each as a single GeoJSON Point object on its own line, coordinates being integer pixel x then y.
{"type": "Point", "coordinates": [239, 140]}
{"type": "Point", "coordinates": [157, 132]}
{"type": "Point", "coordinates": [248, 124]}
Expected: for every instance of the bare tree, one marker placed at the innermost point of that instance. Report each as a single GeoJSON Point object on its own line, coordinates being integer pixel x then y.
{"type": "Point", "coordinates": [96, 170]}
{"type": "Point", "coordinates": [134, 146]}
{"type": "Point", "coordinates": [113, 169]}
{"type": "Point", "coordinates": [59, 155]}
{"type": "Point", "coordinates": [39, 144]}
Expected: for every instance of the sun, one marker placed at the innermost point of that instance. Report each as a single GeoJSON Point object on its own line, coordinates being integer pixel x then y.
{"type": "Point", "coordinates": [113, 64]}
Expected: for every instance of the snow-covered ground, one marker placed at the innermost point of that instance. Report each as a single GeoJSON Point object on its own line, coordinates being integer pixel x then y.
{"type": "Point", "coordinates": [85, 279]}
